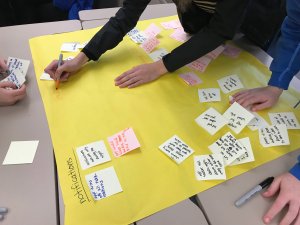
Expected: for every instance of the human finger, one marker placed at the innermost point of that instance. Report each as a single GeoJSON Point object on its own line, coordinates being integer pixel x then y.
{"type": "Point", "coordinates": [261, 106]}
{"type": "Point", "coordinates": [7, 84]}
{"type": "Point", "coordinates": [138, 83]}
{"type": "Point", "coordinates": [297, 221]}
{"type": "Point", "coordinates": [124, 75]}
{"type": "Point", "coordinates": [291, 214]}
{"type": "Point", "coordinates": [51, 68]}
{"type": "Point", "coordinates": [273, 188]}
{"type": "Point", "coordinates": [277, 206]}
{"type": "Point", "coordinates": [129, 82]}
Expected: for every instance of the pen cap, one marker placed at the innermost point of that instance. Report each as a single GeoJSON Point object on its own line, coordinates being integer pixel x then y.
{"type": "Point", "coordinates": [266, 182]}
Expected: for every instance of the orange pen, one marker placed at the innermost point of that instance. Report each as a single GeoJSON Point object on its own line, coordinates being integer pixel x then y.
{"type": "Point", "coordinates": [60, 60]}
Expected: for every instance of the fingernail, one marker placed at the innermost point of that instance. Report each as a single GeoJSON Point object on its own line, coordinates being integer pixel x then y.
{"type": "Point", "coordinates": [267, 220]}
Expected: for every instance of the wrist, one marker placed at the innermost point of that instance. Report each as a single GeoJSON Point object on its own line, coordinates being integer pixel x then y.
{"type": "Point", "coordinates": [161, 67]}
{"type": "Point", "coordinates": [275, 90]}
{"type": "Point", "coordinates": [81, 59]}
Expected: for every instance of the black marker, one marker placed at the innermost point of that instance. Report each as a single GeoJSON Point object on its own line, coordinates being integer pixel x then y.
{"type": "Point", "coordinates": [253, 191]}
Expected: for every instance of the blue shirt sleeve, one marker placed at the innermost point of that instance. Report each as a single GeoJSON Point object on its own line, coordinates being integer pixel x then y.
{"type": "Point", "coordinates": [296, 169]}
{"type": "Point", "coordinates": [287, 53]}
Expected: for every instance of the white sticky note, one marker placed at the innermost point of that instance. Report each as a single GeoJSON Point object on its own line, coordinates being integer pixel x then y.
{"type": "Point", "coordinates": [139, 37]}
{"type": "Point", "coordinates": [176, 149]}
{"type": "Point", "coordinates": [45, 76]}
{"type": "Point", "coordinates": [158, 54]}
{"type": "Point", "coordinates": [209, 167]}
{"type": "Point", "coordinates": [92, 154]}
{"type": "Point", "coordinates": [275, 135]}
{"type": "Point", "coordinates": [209, 95]}
{"type": "Point", "coordinates": [200, 64]}
{"type": "Point", "coordinates": [211, 120]}
{"type": "Point", "coordinates": [81, 45]}
{"type": "Point", "coordinates": [190, 78]}
{"type": "Point", "coordinates": [248, 156]}
{"type": "Point", "coordinates": [21, 152]}
{"type": "Point", "coordinates": [69, 47]}
{"type": "Point", "coordinates": [229, 147]}
{"type": "Point", "coordinates": [287, 118]}
{"type": "Point", "coordinates": [238, 117]}
{"type": "Point", "coordinates": [15, 77]}
{"type": "Point", "coordinates": [257, 122]}
{"type": "Point", "coordinates": [18, 64]}
{"type": "Point", "coordinates": [230, 83]}
{"type": "Point", "coordinates": [152, 30]}
{"type": "Point", "coordinates": [103, 183]}
{"type": "Point", "coordinates": [216, 52]}
{"type": "Point", "coordinates": [133, 31]}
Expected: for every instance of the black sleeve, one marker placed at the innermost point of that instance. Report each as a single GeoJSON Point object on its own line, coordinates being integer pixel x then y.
{"type": "Point", "coordinates": [222, 26]}
{"type": "Point", "coordinates": [115, 29]}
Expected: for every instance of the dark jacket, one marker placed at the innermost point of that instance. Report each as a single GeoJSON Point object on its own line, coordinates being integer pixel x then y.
{"type": "Point", "coordinates": [209, 30]}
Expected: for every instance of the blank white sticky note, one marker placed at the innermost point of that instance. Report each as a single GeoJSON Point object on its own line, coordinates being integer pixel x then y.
{"type": "Point", "coordinates": [45, 76]}
{"type": "Point", "coordinates": [92, 154]}
{"type": "Point", "coordinates": [209, 95]}
{"type": "Point", "coordinates": [257, 122]}
{"type": "Point", "coordinates": [209, 167]}
{"type": "Point", "coordinates": [287, 118]}
{"type": "Point", "coordinates": [238, 117]}
{"type": "Point", "coordinates": [248, 156]}
{"type": "Point", "coordinates": [229, 147]}
{"type": "Point", "coordinates": [21, 152]}
{"type": "Point", "coordinates": [211, 120]}
{"type": "Point", "coordinates": [275, 135]}
{"type": "Point", "coordinates": [230, 83]}
{"type": "Point", "coordinates": [103, 183]}
{"type": "Point", "coordinates": [176, 149]}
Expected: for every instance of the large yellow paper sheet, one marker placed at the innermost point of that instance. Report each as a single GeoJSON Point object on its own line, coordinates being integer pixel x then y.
{"type": "Point", "coordinates": [89, 107]}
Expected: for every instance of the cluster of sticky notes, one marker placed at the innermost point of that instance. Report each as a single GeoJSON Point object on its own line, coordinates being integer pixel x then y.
{"type": "Point", "coordinates": [105, 183]}
{"type": "Point", "coordinates": [146, 38]}
{"type": "Point", "coordinates": [176, 149]}
{"type": "Point", "coordinates": [17, 70]}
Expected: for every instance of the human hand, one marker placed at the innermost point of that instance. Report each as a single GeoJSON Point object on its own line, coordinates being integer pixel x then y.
{"type": "Point", "coordinates": [141, 74]}
{"type": "Point", "coordinates": [258, 98]}
{"type": "Point", "coordinates": [289, 195]}
{"type": "Point", "coordinates": [9, 95]}
{"type": "Point", "coordinates": [67, 68]}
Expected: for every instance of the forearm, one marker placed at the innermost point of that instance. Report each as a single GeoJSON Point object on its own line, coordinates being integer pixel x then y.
{"type": "Point", "coordinates": [222, 26]}
{"type": "Point", "coordinates": [113, 32]}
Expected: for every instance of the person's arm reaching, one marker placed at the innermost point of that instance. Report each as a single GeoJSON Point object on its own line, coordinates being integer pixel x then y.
{"type": "Point", "coordinates": [110, 35]}
{"type": "Point", "coordinates": [284, 66]}
{"type": "Point", "coordinates": [221, 27]}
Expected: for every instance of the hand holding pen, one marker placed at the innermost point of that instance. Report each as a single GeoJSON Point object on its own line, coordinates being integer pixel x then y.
{"type": "Point", "coordinates": [66, 68]}
{"type": "Point", "coordinates": [59, 63]}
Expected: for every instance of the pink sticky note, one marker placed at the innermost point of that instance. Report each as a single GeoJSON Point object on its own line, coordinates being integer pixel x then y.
{"type": "Point", "coordinates": [231, 51]}
{"type": "Point", "coordinates": [215, 53]}
{"type": "Point", "coordinates": [180, 35]}
{"type": "Point", "coordinates": [200, 64]}
{"type": "Point", "coordinates": [190, 78]}
{"type": "Point", "coordinates": [173, 24]}
{"type": "Point", "coordinates": [152, 30]}
{"type": "Point", "coordinates": [123, 142]}
{"type": "Point", "coordinates": [150, 44]}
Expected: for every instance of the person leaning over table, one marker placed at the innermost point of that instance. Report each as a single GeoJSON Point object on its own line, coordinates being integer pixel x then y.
{"type": "Point", "coordinates": [9, 94]}
{"type": "Point", "coordinates": [288, 186]}
{"type": "Point", "coordinates": [211, 22]}
{"type": "Point", "coordinates": [285, 65]}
